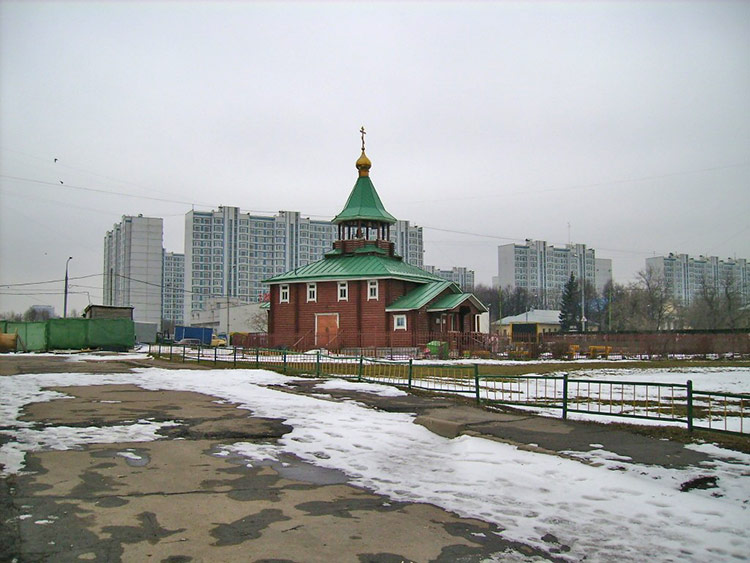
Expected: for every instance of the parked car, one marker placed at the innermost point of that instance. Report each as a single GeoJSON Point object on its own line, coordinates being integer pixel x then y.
{"type": "Point", "coordinates": [189, 342]}
{"type": "Point", "coordinates": [218, 341]}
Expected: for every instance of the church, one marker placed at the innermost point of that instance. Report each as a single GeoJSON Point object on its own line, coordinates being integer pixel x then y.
{"type": "Point", "coordinates": [362, 294]}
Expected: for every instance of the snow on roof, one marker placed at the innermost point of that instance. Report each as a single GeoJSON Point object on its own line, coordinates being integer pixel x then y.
{"type": "Point", "coordinates": [541, 316]}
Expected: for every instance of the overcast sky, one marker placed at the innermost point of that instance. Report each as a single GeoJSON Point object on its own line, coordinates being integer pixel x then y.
{"type": "Point", "coordinates": [621, 125]}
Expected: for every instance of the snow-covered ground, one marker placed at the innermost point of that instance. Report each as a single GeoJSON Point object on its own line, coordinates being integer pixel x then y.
{"type": "Point", "coordinates": [613, 511]}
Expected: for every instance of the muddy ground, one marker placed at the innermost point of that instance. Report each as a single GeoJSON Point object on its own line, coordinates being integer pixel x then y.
{"type": "Point", "coordinates": [178, 500]}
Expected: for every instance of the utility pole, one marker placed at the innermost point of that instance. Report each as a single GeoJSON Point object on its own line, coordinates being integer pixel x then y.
{"type": "Point", "coordinates": [583, 290]}
{"type": "Point", "coordinates": [65, 300]}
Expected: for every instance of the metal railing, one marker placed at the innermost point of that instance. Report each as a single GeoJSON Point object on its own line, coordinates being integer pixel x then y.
{"type": "Point", "coordinates": [664, 402]}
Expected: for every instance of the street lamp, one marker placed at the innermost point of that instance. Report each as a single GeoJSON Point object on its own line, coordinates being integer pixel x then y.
{"type": "Point", "coordinates": [65, 301]}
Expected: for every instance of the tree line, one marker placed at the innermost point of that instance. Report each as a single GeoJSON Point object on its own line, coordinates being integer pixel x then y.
{"type": "Point", "coordinates": [32, 314]}
{"type": "Point", "coordinates": [642, 305]}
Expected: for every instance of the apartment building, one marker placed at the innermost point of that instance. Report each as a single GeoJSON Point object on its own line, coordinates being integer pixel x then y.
{"type": "Point", "coordinates": [229, 253]}
{"type": "Point", "coordinates": [463, 277]}
{"type": "Point", "coordinates": [686, 277]}
{"type": "Point", "coordinates": [543, 269]}
{"type": "Point", "coordinates": [408, 242]}
{"type": "Point", "coordinates": [173, 288]}
{"type": "Point", "coordinates": [133, 266]}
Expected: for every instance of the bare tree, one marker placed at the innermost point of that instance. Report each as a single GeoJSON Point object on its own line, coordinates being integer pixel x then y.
{"type": "Point", "coordinates": [517, 300]}
{"type": "Point", "coordinates": [735, 316]}
{"type": "Point", "coordinates": [36, 314]}
{"type": "Point", "coordinates": [717, 305]}
{"type": "Point", "coordinates": [11, 316]}
{"type": "Point", "coordinates": [259, 321]}
{"type": "Point", "coordinates": [656, 295]}
{"type": "Point", "coordinates": [490, 297]}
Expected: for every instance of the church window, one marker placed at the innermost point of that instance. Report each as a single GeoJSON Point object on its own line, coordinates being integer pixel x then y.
{"type": "Point", "coordinates": [372, 290]}
{"type": "Point", "coordinates": [399, 322]}
{"type": "Point", "coordinates": [343, 291]}
{"type": "Point", "coordinates": [312, 292]}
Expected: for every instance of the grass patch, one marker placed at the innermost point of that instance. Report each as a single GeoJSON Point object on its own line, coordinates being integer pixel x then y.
{"type": "Point", "coordinates": [558, 366]}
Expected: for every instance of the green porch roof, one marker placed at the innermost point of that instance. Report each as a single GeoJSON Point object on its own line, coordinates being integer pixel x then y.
{"type": "Point", "coordinates": [448, 302]}
{"type": "Point", "coordinates": [420, 296]}
{"type": "Point", "coordinates": [364, 204]}
{"type": "Point", "coordinates": [369, 266]}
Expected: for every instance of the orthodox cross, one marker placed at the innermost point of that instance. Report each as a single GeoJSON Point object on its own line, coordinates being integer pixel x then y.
{"type": "Point", "coordinates": [363, 133]}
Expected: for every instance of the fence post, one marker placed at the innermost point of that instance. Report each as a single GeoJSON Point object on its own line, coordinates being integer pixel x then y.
{"type": "Point", "coordinates": [257, 357]}
{"type": "Point", "coordinates": [317, 363]}
{"type": "Point", "coordinates": [184, 347]}
{"type": "Point", "coordinates": [411, 366]}
{"type": "Point", "coordinates": [170, 351]}
{"type": "Point", "coordinates": [361, 361]}
{"type": "Point", "coordinates": [158, 349]}
{"type": "Point", "coordinates": [690, 405]}
{"type": "Point", "coordinates": [565, 396]}
{"type": "Point", "coordinates": [476, 383]}
{"type": "Point", "coordinates": [234, 357]}
{"type": "Point", "coordinates": [283, 355]}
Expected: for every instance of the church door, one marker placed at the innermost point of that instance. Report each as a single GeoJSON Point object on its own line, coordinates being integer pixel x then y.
{"type": "Point", "coordinates": [326, 328]}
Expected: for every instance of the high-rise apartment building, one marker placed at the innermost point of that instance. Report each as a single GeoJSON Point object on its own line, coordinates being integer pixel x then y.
{"type": "Point", "coordinates": [543, 269]}
{"type": "Point", "coordinates": [408, 242]}
{"type": "Point", "coordinates": [133, 267]}
{"type": "Point", "coordinates": [463, 277]}
{"type": "Point", "coordinates": [686, 277]}
{"type": "Point", "coordinates": [229, 253]}
{"type": "Point", "coordinates": [173, 288]}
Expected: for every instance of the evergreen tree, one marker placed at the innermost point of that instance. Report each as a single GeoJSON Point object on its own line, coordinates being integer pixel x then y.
{"type": "Point", "coordinates": [570, 306]}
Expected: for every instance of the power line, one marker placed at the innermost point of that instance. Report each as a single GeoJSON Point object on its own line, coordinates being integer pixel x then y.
{"type": "Point", "coordinates": [124, 194]}
{"type": "Point", "coordinates": [49, 281]}
{"type": "Point", "coordinates": [591, 185]}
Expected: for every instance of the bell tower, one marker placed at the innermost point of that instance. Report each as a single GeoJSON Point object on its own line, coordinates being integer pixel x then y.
{"type": "Point", "coordinates": [364, 226]}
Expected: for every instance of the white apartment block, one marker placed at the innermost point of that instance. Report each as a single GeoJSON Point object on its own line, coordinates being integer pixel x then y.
{"type": "Point", "coordinates": [543, 269]}
{"type": "Point", "coordinates": [686, 276]}
{"type": "Point", "coordinates": [408, 242]}
{"type": "Point", "coordinates": [463, 277]}
{"type": "Point", "coordinates": [229, 253]}
{"type": "Point", "coordinates": [133, 267]}
{"type": "Point", "coordinates": [173, 288]}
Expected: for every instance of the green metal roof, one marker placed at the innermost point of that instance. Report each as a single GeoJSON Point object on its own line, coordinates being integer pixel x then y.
{"type": "Point", "coordinates": [420, 296]}
{"type": "Point", "coordinates": [369, 266]}
{"type": "Point", "coordinates": [448, 302]}
{"type": "Point", "coordinates": [364, 204]}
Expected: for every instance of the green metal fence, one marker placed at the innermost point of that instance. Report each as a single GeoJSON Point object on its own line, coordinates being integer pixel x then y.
{"type": "Point", "coordinates": [665, 402]}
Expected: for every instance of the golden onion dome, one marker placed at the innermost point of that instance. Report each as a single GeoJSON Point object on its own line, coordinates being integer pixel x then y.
{"type": "Point", "coordinates": [363, 165]}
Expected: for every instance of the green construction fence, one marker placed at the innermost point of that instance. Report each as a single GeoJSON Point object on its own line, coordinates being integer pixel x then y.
{"type": "Point", "coordinates": [32, 335]}
{"type": "Point", "coordinates": [72, 334]}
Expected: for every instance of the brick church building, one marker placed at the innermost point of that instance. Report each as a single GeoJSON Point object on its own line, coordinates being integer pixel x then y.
{"type": "Point", "coordinates": [361, 294]}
